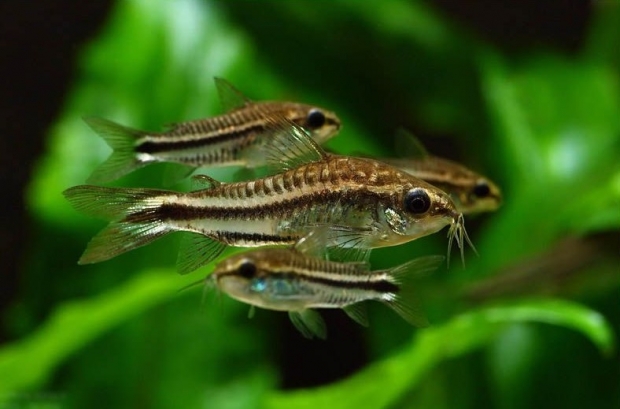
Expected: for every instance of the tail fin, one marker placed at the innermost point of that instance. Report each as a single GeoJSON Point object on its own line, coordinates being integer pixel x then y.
{"type": "Point", "coordinates": [117, 205]}
{"type": "Point", "coordinates": [121, 139]}
{"type": "Point", "coordinates": [404, 301]}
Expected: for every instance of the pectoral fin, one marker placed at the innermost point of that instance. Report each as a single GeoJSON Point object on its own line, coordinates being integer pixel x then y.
{"type": "Point", "coordinates": [348, 244]}
{"type": "Point", "coordinates": [196, 250]}
{"type": "Point", "coordinates": [309, 323]}
{"type": "Point", "coordinates": [314, 244]}
{"type": "Point", "coordinates": [289, 146]}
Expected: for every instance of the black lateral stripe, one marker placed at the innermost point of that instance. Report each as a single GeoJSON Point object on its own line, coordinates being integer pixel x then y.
{"type": "Point", "coordinates": [172, 211]}
{"type": "Point", "coordinates": [380, 286]}
{"type": "Point", "coordinates": [200, 141]}
{"type": "Point", "coordinates": [235, 237]}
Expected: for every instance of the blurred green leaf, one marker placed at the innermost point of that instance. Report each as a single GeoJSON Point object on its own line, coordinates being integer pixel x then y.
{"type": "Point", "coordinates": [381, 384]}
{"type": "Point", "coordinates": [557, 127]}
{"type": "Point", "coordinates": [29, 362]}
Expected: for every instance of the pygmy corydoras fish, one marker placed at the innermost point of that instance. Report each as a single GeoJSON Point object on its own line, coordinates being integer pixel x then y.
{"type": "Point", "coordinates": [362, 202]}
{"type": "Point", "coordinates": [234, 138]}
{"type": "Point", "coordinates": [291, 280]}
{"type": "Point", "coordinates": [470, 191]}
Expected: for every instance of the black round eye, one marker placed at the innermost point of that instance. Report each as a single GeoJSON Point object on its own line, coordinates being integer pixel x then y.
{"type": "Point", "coordinates": [417, 201]}
{"type": "Point", "coordinates": [482, 189]}
{"type": "Point", "coordinates": [247, 269]}
{"type": "Point", "coordinates": [315, 119]}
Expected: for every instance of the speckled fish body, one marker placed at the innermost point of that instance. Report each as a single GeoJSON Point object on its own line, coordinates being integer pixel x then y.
{"type": "Point", "coordinates": [234, 138]}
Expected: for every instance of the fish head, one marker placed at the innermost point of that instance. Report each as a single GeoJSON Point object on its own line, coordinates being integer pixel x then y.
{"type": "Point", "coordinates": [321, 123]}
{"type": "Point", "coordinates": [481, 196]}
{"type": "Point", "coordinates": [236, 275]}
{"type": "Point", "coordinates": [422, 209]}
{"type": "Point", "coordinates": [417, 209]}
{"type": "Point", "coordinates": [470, 191]}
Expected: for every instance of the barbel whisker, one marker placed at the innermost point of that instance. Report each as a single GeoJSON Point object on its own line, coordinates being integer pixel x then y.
{"type": "Point", "coordinates": [457, 231]}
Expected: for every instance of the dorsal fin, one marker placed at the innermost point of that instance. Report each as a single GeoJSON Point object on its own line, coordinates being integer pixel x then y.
{"type": "Point", "coordinates": [288, 145]}
{"type": "Point", "coordinates": [408, 146]}
{"type": "Point", "coordinates": [203, 182]}
{"type": "Point", "coordinates": [230, 97]}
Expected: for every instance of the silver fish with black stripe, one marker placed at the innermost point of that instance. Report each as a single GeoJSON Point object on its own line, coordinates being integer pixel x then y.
{"type": "Point", "coordinates": [470, 191]}
{"type": "Point", "coordinates": [234, 138]}
{"type": "Point", "coordinates": [288, 280]}
{"type": "Point", "coordinates": [295, 281]}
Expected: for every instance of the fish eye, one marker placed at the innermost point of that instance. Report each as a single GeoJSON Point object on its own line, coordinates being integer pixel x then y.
{"type": "Point", "coordinates": [481, 189]}
{"type": "Point", "coordinates": [247, 269]}
{"type": "Point", "coordinates": [315, 119]}
{"type": "Point", "coordinates": [417, 201]}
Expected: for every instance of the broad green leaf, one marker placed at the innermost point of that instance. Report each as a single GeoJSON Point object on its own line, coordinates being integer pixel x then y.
{"type": "Point", "coordinates": [28, 363]}
{"type": "Point", "coordinates": [381, 384]}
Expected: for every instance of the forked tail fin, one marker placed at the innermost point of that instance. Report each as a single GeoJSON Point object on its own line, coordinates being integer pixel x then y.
{"type": "Point", "coordinates": [122, 140]}
{"type": "Point", "coordinates": [133, 214]}
{"type": "Point", "coordinates": [404, 301]}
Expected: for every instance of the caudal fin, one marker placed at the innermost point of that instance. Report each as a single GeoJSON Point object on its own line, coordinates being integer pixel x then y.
{"type": "Point", "coordinates": [404, 301]}
{"type": "Point", "coordinates": [121, 139]}
{"type": "Point", "coordinates": [133, 214]}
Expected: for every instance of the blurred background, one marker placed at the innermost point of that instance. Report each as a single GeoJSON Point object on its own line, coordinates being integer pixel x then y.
{"type": "Point", "coordinates": [526, 93]}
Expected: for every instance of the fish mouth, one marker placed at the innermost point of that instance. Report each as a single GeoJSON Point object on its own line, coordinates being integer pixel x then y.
{"type": "Point", "coordinates": [457, 231]}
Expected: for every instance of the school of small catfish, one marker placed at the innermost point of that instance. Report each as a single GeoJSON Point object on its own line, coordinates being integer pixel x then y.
{"type": "Point", "coordinates": [312, 221]}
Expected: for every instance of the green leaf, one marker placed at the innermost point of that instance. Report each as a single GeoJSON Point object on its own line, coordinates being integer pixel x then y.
{"type": "Point", "coordinates": [556, 126]}
{"type": "Point", "coordinates": [29, 362]}
{"type": "Point", "coordinates": [381, 384]}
